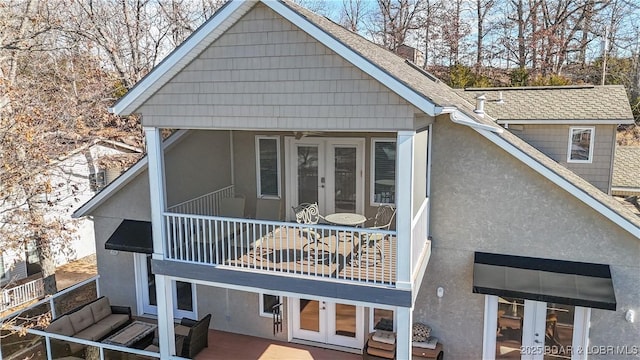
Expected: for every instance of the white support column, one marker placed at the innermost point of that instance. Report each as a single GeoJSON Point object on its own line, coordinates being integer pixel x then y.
{"type": "Point", "coordinates": [155, 156]}
{"type": "Point", "coordinates": [404, 203]}
{"type": "Point", "coordinates": [166, 333]}
{"type": "Point", "coordinates": [404, 332]}
{"type": "Point", "coordinates": [164, 289]}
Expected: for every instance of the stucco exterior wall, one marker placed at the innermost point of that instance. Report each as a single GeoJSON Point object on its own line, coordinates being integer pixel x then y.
{"type": "Point", "coordinates": [553, 140]}
{"type": "Point", "coordinates": [265, 73]}
{"type": "Point", "coordinates": [482, 199]}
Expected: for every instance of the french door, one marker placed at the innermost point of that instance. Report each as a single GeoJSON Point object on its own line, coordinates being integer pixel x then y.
{"type": "Point", "coordinates": [328, 171]}
{"type": "Point", "coordinates": [183, 292]}
{"type": "Point", "coordinates": [328, 323]}
{"type": "Point", "coordinates": [533, 330]}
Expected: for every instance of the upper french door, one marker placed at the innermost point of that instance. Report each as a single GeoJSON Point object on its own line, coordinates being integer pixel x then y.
{"type": "Point", "coordinates": [327, 322]}
{"type": "Point", "coordinates": [184, 294]}
{"type": "Point", "coordinates": [533, 330]}
{"type": "Point", "coordinates": [328, 171]}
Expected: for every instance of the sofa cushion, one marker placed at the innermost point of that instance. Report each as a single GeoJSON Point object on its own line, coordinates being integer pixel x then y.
{"type": "Point", "coordinates": [81, 319]}
{"type": "Point", "coordinates": [94, 332]}
{"type": "Point", "coordinates": [100, 309]}
{"type": "Point", "coordinates": [114, 321]}
{"type": "Point", "coordinates": [62, 326]}
{"type": "Point", "coordinates": [182, 330]}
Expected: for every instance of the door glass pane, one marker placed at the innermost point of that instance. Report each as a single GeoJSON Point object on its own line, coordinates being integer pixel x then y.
{"type": "Point", "coordinates": [184, 295]}
{"type": "Point", "coordinates": [345, 179]}
{"type": "Point", "coordinates": [151, 283]}
{"type": "Point", "coordinates": [559, 331]}
{"type": "Point", "coordinates": [307, 174]}
{"type": "Point", "coordinates": [345, 320]}
{"type": "Point", "coordinates": [310, 315]}
{"type": "Point", "coordinates": [384, 171]}
{"type": "Point", "coordinates": [383, 319]}
{"type": "Point", "coordinates": [509, 332]}
{"type": "Point", "coordinates": [268, 157]}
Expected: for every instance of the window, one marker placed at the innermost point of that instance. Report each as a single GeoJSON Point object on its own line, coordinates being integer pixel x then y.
{"type": "Point", "coordinates": [381, 317]}
{"type": "Point", "coordinates": [3, 274]}
{"type": "Point", "coordinates": [580, 144]}
{"type": "Point", "coordinates": [383, 171]}
{"type": "Point", "coordinates": [267, 302]}
{"type": "Point", "coordinates": [97, 180]}
{"type": "Point", "coordinates": [268, 166]}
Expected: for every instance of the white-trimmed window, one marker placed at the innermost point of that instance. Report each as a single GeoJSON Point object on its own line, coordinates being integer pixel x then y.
{"type": "Point", "coordinates": [268, 166]}
{"type": "Point", "coordinates": [267, 302]}
{"type": "Point", "coordinates": [381, 316]}
{"type": "Point", "coordinates": [581, 144]}
{"type": "Point", "coordinates": [383, 171]}
{"type": "Point", "coordinates": [3, 273]}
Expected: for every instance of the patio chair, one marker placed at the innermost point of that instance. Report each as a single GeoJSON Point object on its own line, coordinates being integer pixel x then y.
{"type": "Point", "coordinates": [309, 214]}
{"type": "Point", "coordinates": [195, 335]}
{"type": "Point", "coordinates": [382, 221]}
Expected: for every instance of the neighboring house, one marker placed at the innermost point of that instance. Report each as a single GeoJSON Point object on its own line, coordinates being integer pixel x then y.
{"type": "Point", "coordinates": [75, 178]}
{"type": "Point", "coordinates": [275, 106]}
{"type": "Point", "coordinates": [574, 125]}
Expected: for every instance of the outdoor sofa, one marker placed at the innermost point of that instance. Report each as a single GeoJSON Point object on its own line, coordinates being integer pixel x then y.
{"type": "Point", "coordinates": [93, 321]}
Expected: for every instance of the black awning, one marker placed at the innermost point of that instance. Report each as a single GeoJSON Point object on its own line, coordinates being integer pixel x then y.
{"type": "Point", "coordinates": [133, 236]}
{"type": "Point", "coordinates": [547, 280]}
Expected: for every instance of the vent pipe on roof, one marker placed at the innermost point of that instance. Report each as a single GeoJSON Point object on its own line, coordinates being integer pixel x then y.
{"type": "Point", "coordinates": [500, 99]}
{"type": "Point", "coordinates": [480, 105]}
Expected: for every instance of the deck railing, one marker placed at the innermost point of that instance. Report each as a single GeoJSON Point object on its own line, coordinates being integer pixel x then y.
{"type": "Point", "coordinates": [21, 294]}
{"type": "Point", "coordinates": [335, 252]}
{"type": "Point", "coordinates": [419, 227]}
{"type": "Point", "coordinates": [207, 204]}
{"type": "Point", "coordinates": [40, 341]}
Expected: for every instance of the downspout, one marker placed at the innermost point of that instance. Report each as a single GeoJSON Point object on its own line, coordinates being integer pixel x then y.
{"type": "Point", "coordinates": [460, 118]}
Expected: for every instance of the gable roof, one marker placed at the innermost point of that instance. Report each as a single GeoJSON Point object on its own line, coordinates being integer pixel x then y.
{"type": "Point", "coordinates": [626, 169]}
{"type": "Point", "coordinates": [585, 104]}
{"type": "Point", "coordinates": [413, 84]}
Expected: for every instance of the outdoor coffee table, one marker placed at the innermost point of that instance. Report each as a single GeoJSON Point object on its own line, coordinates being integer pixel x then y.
{"type": "Point", "coordinates": [131, 334]}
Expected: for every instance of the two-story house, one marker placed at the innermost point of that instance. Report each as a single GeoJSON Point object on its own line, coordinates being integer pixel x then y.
{"type": "Point", "coordinates": [276, 106]}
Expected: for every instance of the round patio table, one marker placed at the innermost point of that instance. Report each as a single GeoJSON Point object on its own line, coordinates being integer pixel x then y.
{"type": "Point", "coordinates": [346, 219]}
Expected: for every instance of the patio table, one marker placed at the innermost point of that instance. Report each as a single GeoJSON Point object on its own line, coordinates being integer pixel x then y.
{"type": "Point", "coordinates": [131, 334]}
{"type": "Point", "coordinates": [346, 219]}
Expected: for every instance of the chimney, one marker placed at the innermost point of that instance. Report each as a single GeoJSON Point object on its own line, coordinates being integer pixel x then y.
{"type": "Point", "coordinates": [480, 105]}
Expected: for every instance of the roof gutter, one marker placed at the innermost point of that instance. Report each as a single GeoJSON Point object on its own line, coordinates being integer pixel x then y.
{"type": "Point", "coordinates": [459, 117]}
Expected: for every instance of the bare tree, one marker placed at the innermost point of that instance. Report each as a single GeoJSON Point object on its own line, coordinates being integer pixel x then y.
{"type": "Point", "coordinates": [396, 19]}
{"type": "Point", "coordinates": [352, 14]}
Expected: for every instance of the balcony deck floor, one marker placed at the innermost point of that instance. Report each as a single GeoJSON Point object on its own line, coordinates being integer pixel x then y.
{"type": "Point", "coordinates": [339, 255]}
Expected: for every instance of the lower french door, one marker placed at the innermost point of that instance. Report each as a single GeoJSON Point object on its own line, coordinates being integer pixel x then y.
{"type": "Point", "coordinates": [533, 330]}
{"type": "Point", "coordinates": [328, 323]}
{"type": "Point", "coordinates": [184, 293]}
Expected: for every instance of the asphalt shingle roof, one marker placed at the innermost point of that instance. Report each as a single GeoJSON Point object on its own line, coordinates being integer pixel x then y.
{"type": "Point", "coordinates": [626, 167]}
{"type": "Point", "coordinates": [588, 103]}
{"type": "Point", "coordinates": [443, 95]}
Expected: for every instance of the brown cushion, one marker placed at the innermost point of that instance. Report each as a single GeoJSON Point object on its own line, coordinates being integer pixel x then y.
{"type": "Point", "coordinates": [380, 345]}
{"type": "Point", "coordinates": [94, 332]}
{"type": "Point", "coordinates": [62, 326]}
{"type": "Point", "coordinates": [81, 319]}
{"type": "Point", "coordinates": [381, 353]}
{"type": "Point", "coordinates": [114, 321]}
{"type": "Point", "coordinates": [100, 309]}
{"type": "Point", "coordinates": [182, 330]}
{"type": "Point", "coordinates": [387, 337]}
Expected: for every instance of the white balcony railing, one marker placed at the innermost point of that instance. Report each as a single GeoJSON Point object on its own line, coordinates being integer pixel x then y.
{"type": "Point", "coordinates": [207, 204]}
{"type": "Point", "coordinates": [22, 294]}
{"type": "Point", "coordinates": [419, 227]}
{"type": "Point", "coordinates": [322, 251]}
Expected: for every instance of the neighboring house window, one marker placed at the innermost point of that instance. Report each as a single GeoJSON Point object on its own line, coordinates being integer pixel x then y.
{"type": "Point", "coordinates": [581, 144]}
{"type": "Point", "coordinates": [3, 274]}
{"type": "Point", "coordinates": [383, 171]}
{"type": "Point", "coordinates": [98, 180]}
{"type": "Point", "coordinates": [268, 166]}
{"type": "Point", "coordinates": [267, 302]}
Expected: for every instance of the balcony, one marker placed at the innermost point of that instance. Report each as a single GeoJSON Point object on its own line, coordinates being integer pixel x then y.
{"type": "Point", "coordinates": [196, 233]}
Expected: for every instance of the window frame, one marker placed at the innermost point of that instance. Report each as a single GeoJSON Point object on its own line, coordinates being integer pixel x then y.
{"type": "Point", "coordinates": [372, 318]}
{"type": "Point", "coordinates": [592, 130]}
{"type": "Point", "coordinates": [372, 170]}
{"type": "Point", "coordinates": [258, 169]}
{"type": "Point", "coordinates": [261, 304]}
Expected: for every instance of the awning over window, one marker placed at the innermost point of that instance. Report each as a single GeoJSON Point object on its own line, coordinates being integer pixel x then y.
{"type": "Point", "coordinates": [547, 280]}
{"type": "Point", "coordinates": [133, 236]}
